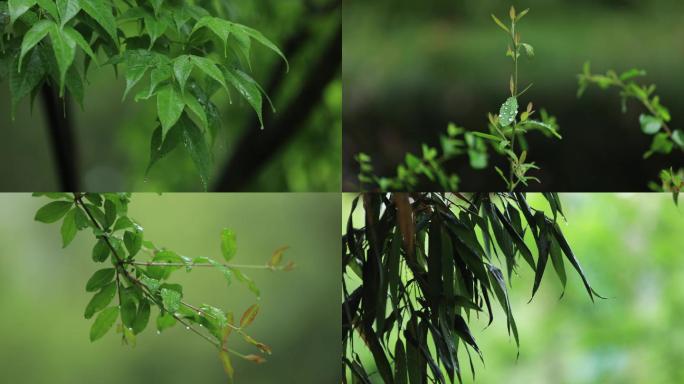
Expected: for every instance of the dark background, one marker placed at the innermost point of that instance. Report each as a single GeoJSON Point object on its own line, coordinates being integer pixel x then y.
{"type": "Point", "coordinates": [411, 67]}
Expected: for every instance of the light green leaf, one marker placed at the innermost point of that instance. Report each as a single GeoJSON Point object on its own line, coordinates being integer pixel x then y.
{"type": "Point", "coordinates": [64, 48]}
{"type": "Point", "coordinates": [678, 137]}
{"type": "Point", "coordinates": [80, 41]}
{"type": "Point", "coordinates": [169, 107]}
{"type": "Point", "coordinates": [155, 28]}
{"type": "Point", "coordinates": [210, 69]}
{"type": "Point", "coordinates": [165, 321]}
{"type": "Point", "coordinates": [34, 35]}
{"type": "Point", "coordinates": [67, 9]}
{"type": "Point", "coordinates": [69, 229]}
{"type": "Point", "coordinates": [50, 7]}
{"type": "Point", "coordinates": [137, 63]}
{"type": "Point", "coordinates": [101, 300]}
{"type": "Point", "coordinates": [650, 125]}
{"type": "Point", "coordinates": [228, 243]}
{"type": "Point", "coordinates": [103, 323]}
{"type": "Point", "coordinates": [227, 365]}
{"type": "Point", "coordinates": [221, 28]}
{"type": "Point", "coordinates": [258, 36]}
{"type": "Point", "coordinates": [248, 88]}
{"type": "Point", "coordinates": [500, 24]}
{"type": "Point", "coordinates": [18, 8]}
{"type": "Point", "coordinates": [53, 211]}
{"type": "Point", "coordinates": [196, 145]}
{"type": "Point", "coordinates": [246, 280]}
{"type": "Point", "coordinates": [100, 279]}
{"type": "Point", "coordinates": [171, 299]}
{"type": "Point", "coordinates": [529, 50]}
{"type": "Point", "coordinates": [101, 11]}
{"type": "Point", "coordinates": [182, 67]}
{"type": "Point", "coordinates": [508, 111]}
{"type": "Point", "coordinates": [194, 105]}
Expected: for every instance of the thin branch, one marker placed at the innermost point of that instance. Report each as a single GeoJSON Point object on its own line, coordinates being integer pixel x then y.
{"type": "Point", "coordinates": [163, 264]}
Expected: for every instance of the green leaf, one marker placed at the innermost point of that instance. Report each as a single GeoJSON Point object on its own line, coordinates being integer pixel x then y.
{"type": "Point", "coordinates": [678, 137]}
{"type": "Point", "coordinates": [163, 272]}
{"type": "Point", "coordinates": [193, 104]}
{"type": "Point", "coordinates": [171, 299]}
{"type": "Point", "coordinates": [80, 41]}
{"type": "Point", "coordinates": [50, 7]}
{"type": "Point", "coordinates": [137, 61]}
{"type": "Point", "coordinates": [101, 11]}
{"type": "Point", "coordinates": [249, 315]}
{"type": "Point", "coordinates": [227, 365]}
{"type": "Point", "coordinates": [210, 69]}
{"type": "Point", "coordinates": [53, 211]}
{"type": "Point", "coordinates": [23, 82]}
{"type": "Point", "coordinates": [155, 27]}
{"type": "Point", "coordinates": [101, 300]}
{"type": "Point", "coordinates": [500, 24]}
{"type": "Point", "coordinates": [67, 9]}
{"type": "Point", "coordinates": [650, 125]}
{"type": "Point", "coordinates": [100, 279]}
{"type": "Point", "coordinates": [196, 145]}
{"type": "Point", "coordinates": [228, 244]}
{"type": "Point", "coordinates": [103, 323]}
{"type": "Point", "coordinates": [248, 88]}
{"type": "Point", "coordinates": [142, 317]}
{"type": "Point", "coordinates": [69, 229]}
{"type": "Point", "coordinates": [221, 28]}
{"type": "Point", "coordinates": [400, 370]}
{"type": "Point", "coordinates": [165, 321]}
{"type": "Point", "coordinates": [182, 67]}
{"type": "Point", "coordinates": [128, 310]}
{"type": "Point", "coordinates": [100, 251]}
{"type": "Point", "coordinates": [251, 285]}
{"type": "Point", "coordinates": [159, 150]}
{"type": "Point", "coordinates": [34, 35]}
{"type": "Point", "coordinates": [110, 213]}
{"type": "Point", "coordinates": [133, 242]}
{"type": "Point", "coordinates": [18, 8]}
{"type": "Point", "coordinates": [258, 36]}
{"type": "Point", "coordinates": [529, 50]}
{"type": "Point", "coordinates": [227, 274]}
{"type": "Point", "coordinates": [170, 106]}
{"type": "Point", "coordinates": [64, 48]}
{"type": "Point", "coordinates": [508, 111]}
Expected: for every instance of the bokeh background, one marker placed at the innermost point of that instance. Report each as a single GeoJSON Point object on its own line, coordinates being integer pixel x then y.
{"type": "Point", "coordinates": [410, 67]}
{"type": "Point", "coordinates": [632, 250]}
{"type": "Point", "coordinates": [44, 336]}
{"type": "Point", "coordinates": [113, 138]}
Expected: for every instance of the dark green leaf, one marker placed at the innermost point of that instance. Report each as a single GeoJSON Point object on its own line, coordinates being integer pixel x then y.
{"type": "Point", "coordinates": [69, 228]}
{"type": "Point", "coordinates": [53, 211]}
{"type": "Point", "coordinates": [101, 300]}
{"type": "Point", "coordinates": [100, 279]}
{"type": "Point", "coordinates": [100, 251]}
{"type": "Point", "coordinates": [103, 323]}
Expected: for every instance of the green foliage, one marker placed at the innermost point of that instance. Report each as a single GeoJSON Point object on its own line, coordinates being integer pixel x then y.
{"type": "Point", "coordinates": [187, 50]}
{"type": "Point", "coordinates": [139, 285]}
{"type": "Point", "coordinates": [424, 263]}
{"type": "Point", "coordinates": [505, 128]}
{"type": "Point", "coordinates": [654, 123]}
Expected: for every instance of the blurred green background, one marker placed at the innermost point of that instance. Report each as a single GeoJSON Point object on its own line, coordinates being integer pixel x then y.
{"type": "Point", "coordinates": [410, 67]}
{"type": "Point", "coordinates": [44, 337]}
{"type": "Point", "coordinates": [113, 138]}
{"type": "Point", "coordinates": [632, 250]}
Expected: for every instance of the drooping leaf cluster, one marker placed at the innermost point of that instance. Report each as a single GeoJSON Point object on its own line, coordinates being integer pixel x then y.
{"type": "Point", "coordinates": [504, 128]}
{"type": "Point", "coordinates": [424, 263]}
{"type": "Point", "coordinates": [654, 123]}
{"type": "Point", "coordinates": [183, 52]}
{"type": "Point", "coordinates": [135, 276]}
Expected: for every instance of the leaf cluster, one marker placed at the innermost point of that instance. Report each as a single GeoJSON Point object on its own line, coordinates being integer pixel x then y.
{"type": "Point", "coordinates": [426, 264]}
{"type": "Point", "coordinates": [655, 122]}
{"type": "Point", "coordinates": [141, 284]}
{"type": "Point", "coordinates": [186, 52]}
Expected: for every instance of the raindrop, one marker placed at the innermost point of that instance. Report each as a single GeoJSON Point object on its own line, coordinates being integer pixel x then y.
{"type": "Point", "coordinates": [262, 127]}
{"type": "Point", "coordinates": [199, 313]}
{"type": "Point", "coordinates": [158, 332]}
{"type": "Point", "coordinates": [187, 327]}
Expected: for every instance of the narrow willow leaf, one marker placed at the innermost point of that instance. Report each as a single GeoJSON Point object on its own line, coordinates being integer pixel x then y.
{"type": "Point", "coordinates": [33, 36]}
{"type": "Point", "coordinates": [100, 279]}
{"type": "Point", "coordinates": [19, 7]}
{"type": "Point", "coordinates": [228, 243]}
{"type": "Point", "coordinates": [249, 315]}
{"type": "Point", "coordinates": [103, 323]}
{"type": "Point", "coordinates": [53, 211]}
{"type": "Point", "coordinates": [170, 106]}
{"type": "Point", "coordinates": [171, 299]}
{"type": "Point", "coordinates": [101, 300]}
{"type": "Point", "coordinates": [508, 111]}
{"type": "Point", "coordinates": [379, 355]}
{"type": "Point", "coordinates": [69, 229]}
{"type": "Point", "coordinates": [562, 242]}
{"type": "Point", "coordinates": [100, 251]}
{"type": "Point", "coordinates": [500, 24]}
{"type": "Point", "coordinates": [400, 370]}
{"type": "Point", "coordinates": [557, 260]}
{"type": "Point", "coordinates": [241, 277]}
